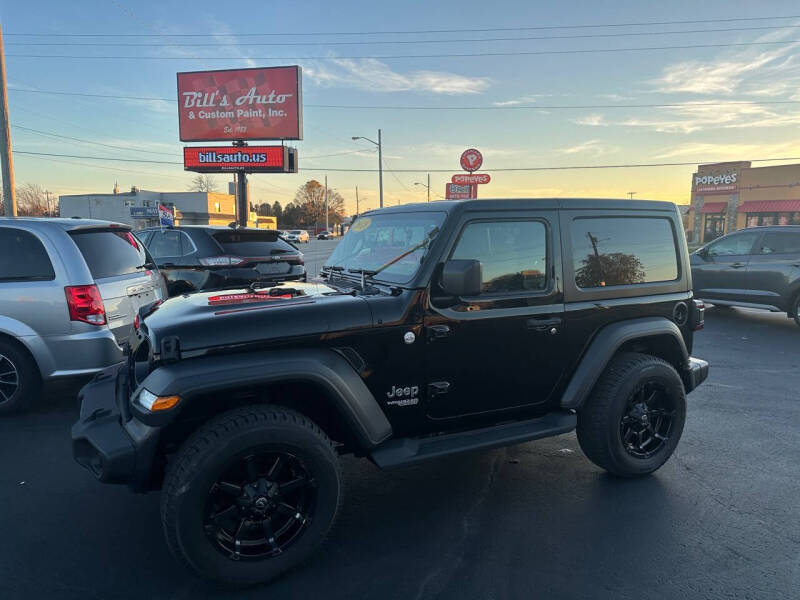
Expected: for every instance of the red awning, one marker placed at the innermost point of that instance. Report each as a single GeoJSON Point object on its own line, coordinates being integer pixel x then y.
{"type": "Point", "coordinates": [713, 207]}
{"type": "Point", "coordinates": [769, 206]}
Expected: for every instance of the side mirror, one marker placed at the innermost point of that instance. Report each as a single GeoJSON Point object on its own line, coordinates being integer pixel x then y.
{"type": "Point", "coordinates": [462, 277]}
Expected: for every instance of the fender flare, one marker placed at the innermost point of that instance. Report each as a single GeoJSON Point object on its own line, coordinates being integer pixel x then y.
{"type": "Point", "coordinates": [325, 368]}
{"type": "Point", "coordinates": [605, 345]}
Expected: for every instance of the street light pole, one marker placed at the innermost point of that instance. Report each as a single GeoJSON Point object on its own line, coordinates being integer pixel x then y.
{"type": "Point", "coordinates": [356, 200]}
{"type": "Point", "coordinates": [380, 159]}
{"type": "Point", "coordinates": [428, 187]}
{"type": "Point", "coordinates": [380, 166]}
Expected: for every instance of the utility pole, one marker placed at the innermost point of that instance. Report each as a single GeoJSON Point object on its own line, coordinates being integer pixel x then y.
{"type": "Point", "coordinates": [631, 194]}
{"type": "Point", "coordinates": [47, 195]}
{"type": "Point", "coordinates": [380, 162]}
{"type": "Point", "coordinates": [326, 203]}
{"type": "Point", "coordinates": [7, 167]}
{"type": "Point", "coordinates": [356, 200]}
{"type": "Point", "coordinates": [429, 187]}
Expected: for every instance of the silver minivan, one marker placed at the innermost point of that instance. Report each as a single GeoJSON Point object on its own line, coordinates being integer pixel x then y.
{"type": "Point", "coordinates": [70, 290]}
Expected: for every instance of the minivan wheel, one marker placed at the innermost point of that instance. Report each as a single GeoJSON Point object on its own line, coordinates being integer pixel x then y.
{"type": "Point", "coordinates": [19, 379]}
{"type": "Point", "coordinates": [250, 494]}
{"type": "Point", "coordinates": [796, 309]}
{"type": "Point", "coordinates": [634, 419]}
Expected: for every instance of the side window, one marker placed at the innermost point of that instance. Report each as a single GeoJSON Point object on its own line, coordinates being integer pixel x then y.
{"type": "Point", "coordinates": [165, 243]}
{"type": "Point", "coordinates": [780, 242]}
{"type": "Point", "coordinates": [23, 257]}
{"type": "Point", "coordinates": [610, 251]}
{"type": "Point", "coordinates": [513, 254]}
{"type": "Point", "coordinates": [187, 245]}
{"type": "Point", "coordinates": [734, 245]}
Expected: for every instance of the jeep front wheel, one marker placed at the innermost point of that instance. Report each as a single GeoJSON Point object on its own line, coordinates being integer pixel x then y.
{"type": "Point", "coordinates": [634, 419]}
{"type": "Point", "coordinates": [250, 494]}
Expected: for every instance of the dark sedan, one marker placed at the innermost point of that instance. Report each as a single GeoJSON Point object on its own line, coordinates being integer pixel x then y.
{"type": "Point", "coordinates": [204, 257]}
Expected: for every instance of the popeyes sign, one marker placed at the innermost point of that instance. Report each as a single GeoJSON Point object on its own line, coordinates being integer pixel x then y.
{"type": "Point", "coordinates": [240, 104]}
{"type": "Point", "coordinates": [709, 183]}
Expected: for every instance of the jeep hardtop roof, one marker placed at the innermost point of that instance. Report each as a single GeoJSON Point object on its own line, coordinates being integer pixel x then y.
{"type": "Point", "coordinates": [529, 203]}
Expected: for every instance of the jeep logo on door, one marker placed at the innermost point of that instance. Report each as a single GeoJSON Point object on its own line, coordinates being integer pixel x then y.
{"type": "Point", "coordinates": [403, 396]}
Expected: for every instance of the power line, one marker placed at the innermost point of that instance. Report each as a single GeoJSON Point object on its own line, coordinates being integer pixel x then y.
{"type": "Point", "coordinates": [410, 56]}
{"type": "Point", "coordinates": [74, 139]}
{"type": "Point", "coordinates": [392, 42]}
{"type": "Point", "coordinates": [408, 32]}
{"type": "Point", "coordinates": [427, 170]}
{"type": "Point", "coordinates": [399, 107]}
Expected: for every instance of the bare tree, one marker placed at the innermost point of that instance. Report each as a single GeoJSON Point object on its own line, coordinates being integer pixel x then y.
{"type": "Point", "coordinates": [32, 200]}
{"type": "Point", "coordinates": [203, 183]}
{"type": "Point", "coordinates": [311, 198]}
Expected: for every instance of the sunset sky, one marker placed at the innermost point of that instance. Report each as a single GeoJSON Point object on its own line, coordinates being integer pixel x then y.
{"type": "Point", "coordinates": [358, 55]}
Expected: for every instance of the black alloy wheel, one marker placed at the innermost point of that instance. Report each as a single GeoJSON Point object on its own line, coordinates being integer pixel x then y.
{"type": "Point", "coordinates": [260, 505]}
{"type": "Point", "coordinates": [647, 421]}
{"type": "Point", "coordinates": [9, 379]}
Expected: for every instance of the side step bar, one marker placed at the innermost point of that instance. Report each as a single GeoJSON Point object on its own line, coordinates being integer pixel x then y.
{"type": "Point", "coordinates": [405, 451]}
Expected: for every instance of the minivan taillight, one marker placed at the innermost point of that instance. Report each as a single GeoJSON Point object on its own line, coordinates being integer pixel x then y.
{"type": "Point", "coordinates": [85, 304]}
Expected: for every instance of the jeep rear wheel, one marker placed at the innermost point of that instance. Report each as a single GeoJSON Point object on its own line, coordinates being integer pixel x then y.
{"type": "Point", "coordinates": [250, 494]}
{"type": "Point", "coordinates": [634, 419]}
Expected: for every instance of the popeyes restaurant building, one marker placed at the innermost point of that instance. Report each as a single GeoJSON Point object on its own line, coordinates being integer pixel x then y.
{"type": "Point", "coordinates": [733, 195]}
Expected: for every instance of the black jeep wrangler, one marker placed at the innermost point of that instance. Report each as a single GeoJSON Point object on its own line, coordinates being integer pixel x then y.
{"type": "Point", "coordinates": [434, 329]}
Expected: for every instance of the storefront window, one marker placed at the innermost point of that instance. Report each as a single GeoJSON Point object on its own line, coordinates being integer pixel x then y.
{"type": "Point", "coordinates": [784, 218]}
{"type": "Point", "coordinates": [714, 227]}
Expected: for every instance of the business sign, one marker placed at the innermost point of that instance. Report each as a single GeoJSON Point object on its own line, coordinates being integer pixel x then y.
{"type": "Point", "coordinates": [472, 178]}
{"type": "Point", "coordinates": [144, 212]}
{"type": "Point", "coordinates": [241, 104]}
{"type": "Point", "coordinates": [471, 160]}
{"type": "Point", "coordinates": [253, 159]}
{"type": "Point", "coordinates": [459, 192]}
{"type": "Point", "coordinates": [716, 184]}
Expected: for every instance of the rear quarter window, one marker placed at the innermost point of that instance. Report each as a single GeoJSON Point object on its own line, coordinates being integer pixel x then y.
{"type": "Point", "coordinates": [610, 251]}
{"type": "Point", "coordinates": [23, 257]}
{"type": "Point", "coordinates": [252, 243]}
{"type": "Point", "coordinates": [110, 253]}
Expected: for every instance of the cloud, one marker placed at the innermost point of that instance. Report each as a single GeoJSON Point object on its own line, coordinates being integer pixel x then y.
{"type": "Point", "coordinates": [690, 117]}
{"type": "Point", "coordinates": [710, 151]}
{"type": "Point", "coordinates": [375, 76]}
{"type": "Point", "coordinates": [751, 68]}
{"type": "Point", "coordinates": [593, 120]}
{"type": "Point", "coordinates": [521, 100]}
{"type": "Point", "coordinates": [593, 147]}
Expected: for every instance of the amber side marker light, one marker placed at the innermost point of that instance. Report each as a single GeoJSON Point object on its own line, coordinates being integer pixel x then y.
{"type": "Point", "coordinates": [155, 403]}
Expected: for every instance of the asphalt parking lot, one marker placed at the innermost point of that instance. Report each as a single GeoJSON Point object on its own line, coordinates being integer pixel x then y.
{"type": "Point", "coordinates": [720, 520]}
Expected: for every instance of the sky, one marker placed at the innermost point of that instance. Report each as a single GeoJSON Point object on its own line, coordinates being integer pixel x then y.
{"type": "Point", "coordinates": [526, 89]}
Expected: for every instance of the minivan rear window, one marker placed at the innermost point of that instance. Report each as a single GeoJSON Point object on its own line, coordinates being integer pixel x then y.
{"type": "Point", "coordinates": [110, 253]}
{"type": "Point", "coordinates": [609, 251]}
{"type": "Point", "coordinates": [252, 243]}
{"type": "Point", "coordinates": [23, 257]}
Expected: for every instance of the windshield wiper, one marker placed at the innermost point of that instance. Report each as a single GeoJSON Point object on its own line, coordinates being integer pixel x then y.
{"type": "Point", "coordinates": [370, 273]}
{"type": "Point", "coordinates": [331, 269]}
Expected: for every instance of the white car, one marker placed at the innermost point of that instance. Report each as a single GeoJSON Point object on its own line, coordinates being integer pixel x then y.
{"type": "Point", "coordinates": [297, 235]}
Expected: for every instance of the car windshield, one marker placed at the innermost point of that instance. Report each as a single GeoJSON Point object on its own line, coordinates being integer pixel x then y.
{"type": "Point", "coordinates": [373, 241]}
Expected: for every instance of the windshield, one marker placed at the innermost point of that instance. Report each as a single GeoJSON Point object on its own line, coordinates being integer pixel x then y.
{"type": "Point", "coordinates": [373, 241]}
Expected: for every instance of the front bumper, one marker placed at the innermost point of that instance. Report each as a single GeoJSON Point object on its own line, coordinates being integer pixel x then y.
{"type": "Point", "coordinates": [695, 374]}
{"type": "Point", "coordinates": [105, 440]}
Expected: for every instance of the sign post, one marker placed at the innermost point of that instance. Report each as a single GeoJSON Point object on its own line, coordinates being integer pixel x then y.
{"type": "Point", "coordinates": [237, 105]}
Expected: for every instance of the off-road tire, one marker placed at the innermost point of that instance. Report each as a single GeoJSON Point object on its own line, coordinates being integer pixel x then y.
{"type": "Point", "coordinates": [207, 452]}
{"type": "Point", "coordinates": [27, 381]}
{"type": "Point", "coordinates": [600, 417]}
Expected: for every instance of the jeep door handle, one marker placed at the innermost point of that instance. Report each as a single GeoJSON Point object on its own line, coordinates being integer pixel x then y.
{"type": "Point", "coordinates": [543, 324]}
{"type": "Point", "coordinates": [738, 265]}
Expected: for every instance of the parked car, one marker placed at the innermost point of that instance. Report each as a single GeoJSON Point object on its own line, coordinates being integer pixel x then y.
{"type": "Point", "coordinates": [70, 290]}
{"type": "Point", "coordinates": [297, 235]}
{"type": "Point", "coordinates": [437, 329]}
{"type": "Point", "coordinates": [757, 268]}
{"type": "Point", "coordinates": [324, 235]}
{"type": "Point", "coordinates": [204, 257]}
